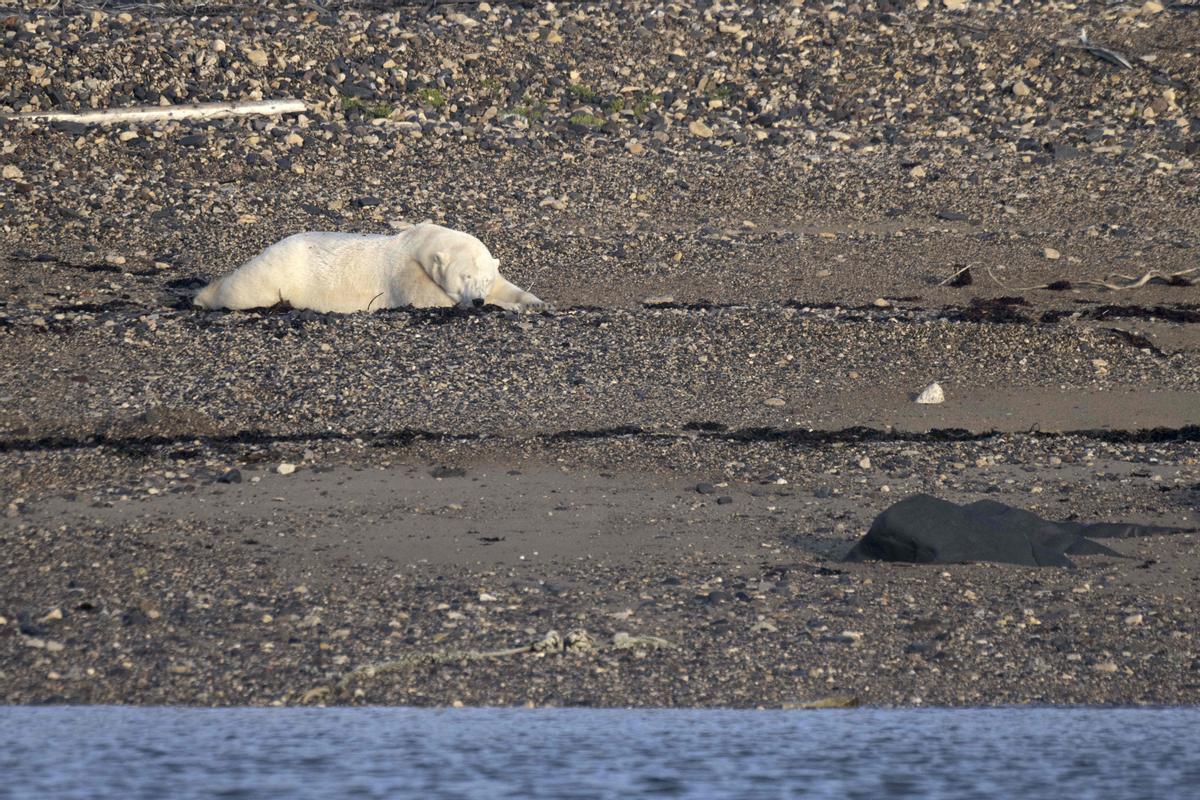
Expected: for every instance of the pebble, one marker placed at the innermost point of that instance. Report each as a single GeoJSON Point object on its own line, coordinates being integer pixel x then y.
{"type": "Point", "coordinates": [231, 476]}
{"type": "Point", "coordinates": [285, 468]}
{"type": "Point", "coordinates": [881, 302]}
{"type": "Point", "coordinates": [257, 57]}
{"type": "Point", "coordinates": [698, 128]}
{"type": "Point", "coordinates": [1051, 254]}
{"type": "Point", "coordinates": [931, 395]}
{"type": "Point", "coordinates": [705, 488]}
{"type": "Point", "coordinates": [775, 402]}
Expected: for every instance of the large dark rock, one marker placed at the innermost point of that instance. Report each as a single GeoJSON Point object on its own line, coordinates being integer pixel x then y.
{"type": "Point", "coordinates": [926, 530]}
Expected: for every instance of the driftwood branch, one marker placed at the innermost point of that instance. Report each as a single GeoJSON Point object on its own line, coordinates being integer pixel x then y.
{"type": "Point", "coordinates": [114, 116]}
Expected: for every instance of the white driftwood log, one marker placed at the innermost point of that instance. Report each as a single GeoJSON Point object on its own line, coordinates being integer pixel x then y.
{"type": "Point", "coordinates": [112, 116]}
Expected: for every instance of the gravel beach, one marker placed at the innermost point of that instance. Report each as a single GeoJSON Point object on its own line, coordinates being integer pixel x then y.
{"type": "Point", "coordinates": [765, 229]}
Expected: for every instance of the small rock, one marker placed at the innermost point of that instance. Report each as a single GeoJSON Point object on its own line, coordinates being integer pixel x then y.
{"type": "Point", "coordinates": [658, 300]}
{"type": "Point", "coordinates": [447, 472]}
{"type": "Point", "coordinates": [880, 302]}
{"type": "Point", "coordinates": [931, 395]}
{"type": "Point", "coordinates": [864, 462]}
{"type": "Point", "coordinates": [1051, 254]}
{"type": "Point", "coordinates": [1134, 619]}
{"type": "Point", "coordinates": [231, 476]}
{"type": "Point", "coordinates": [13, 172]}
{"type": "Point", "coordinates": [634, 147]}
{"type": "Point", "coordinates": [698, 128]}
{"type": "Point", "coordinates": [1105, 666]}
{"type": "Point", "coordinates": [257, 57]}
{"type": "Point", "coordinates": [1021, 89]}
{"type": "Point", "coordinates": [775, 402]}
{"type": "Point", "coordinates": [954, 5]}
{"type": "Point", "coordinates": [824, 273]}
{"type": "Point", "coordinates": [705, 488]}
{"type": "Point", "coordinates": [724, 500]}
{"type": "Point", "coordinates": [285, 468]}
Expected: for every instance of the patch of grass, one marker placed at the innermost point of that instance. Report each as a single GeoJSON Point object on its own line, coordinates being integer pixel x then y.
{"type": "Point", "coordinates": [587, 120]}
{"type": "Point", "coordinates": [615, 106]}
{"type": "Point", "coordinates": [431, 97]}
{"type": "Point", "coordinates": [721, 92]}
{"type": "Point", "coordinates": [583, 92]}
{"type": "Point", "coordinates": [530, 109]}
{"type": "Point", "coordinates": [372, 110]}
{"type": "Point", "coordinates": [491, 84]}
{"type": "Point", "coordinates": [644, 101]}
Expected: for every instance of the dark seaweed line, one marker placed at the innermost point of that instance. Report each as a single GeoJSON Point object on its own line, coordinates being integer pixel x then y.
{"type": "Point", "coordinates": [144, 445]}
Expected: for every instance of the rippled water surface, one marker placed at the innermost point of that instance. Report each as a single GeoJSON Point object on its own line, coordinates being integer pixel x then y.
{"type": "Point", "coordinates": [115, 752]}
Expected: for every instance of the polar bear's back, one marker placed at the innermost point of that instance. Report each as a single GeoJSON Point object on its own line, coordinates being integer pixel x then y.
{"type": "Point", "coordinates": [319, 270]}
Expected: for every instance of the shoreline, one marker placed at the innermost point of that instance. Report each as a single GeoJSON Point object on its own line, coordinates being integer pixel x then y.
{"type": "Point", "coordinates": [765, 227]}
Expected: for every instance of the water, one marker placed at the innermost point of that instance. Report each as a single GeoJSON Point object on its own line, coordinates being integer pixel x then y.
{"type": "Point", "coordinates": [127, 753]}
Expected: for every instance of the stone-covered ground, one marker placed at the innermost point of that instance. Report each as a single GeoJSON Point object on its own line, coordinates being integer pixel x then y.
{"type": "Point", "coordinates": [746, 215]}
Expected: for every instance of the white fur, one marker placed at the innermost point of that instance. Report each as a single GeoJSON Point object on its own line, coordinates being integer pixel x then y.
{"type": "Point", "coordinates": [426, 265]}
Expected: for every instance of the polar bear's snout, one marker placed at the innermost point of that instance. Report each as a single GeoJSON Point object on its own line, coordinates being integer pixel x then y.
{"type": "Point", "coordinates": [473, 292]}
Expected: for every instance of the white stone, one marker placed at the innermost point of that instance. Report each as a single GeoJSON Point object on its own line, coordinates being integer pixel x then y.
{"type": "Point", "coordinates": [932, 394]}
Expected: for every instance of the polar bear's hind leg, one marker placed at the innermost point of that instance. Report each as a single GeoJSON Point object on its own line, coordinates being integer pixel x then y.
{"type": "Point", "coordinates": [256, 284]}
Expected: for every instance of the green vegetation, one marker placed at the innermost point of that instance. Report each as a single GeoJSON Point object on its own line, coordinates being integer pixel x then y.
{"type": "Point", "coordinates": [645, 100]}
{"type": "Point", "coordinates": [583, 92]}
{"type": "Point", "coordinates": [615, 106]}
{"type": "Point", "coordinates": [491, 84]}
{"type": "Point", "coordinates": [372, 110]}
{"type": "Point", "coordinates": [431, 97]}
{"type": "Point", "coordinates": [530, 109]}
{"type": "Point", "coordinates": [588, 120]}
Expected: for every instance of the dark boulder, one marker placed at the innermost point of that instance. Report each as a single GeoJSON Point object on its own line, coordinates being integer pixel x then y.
{"type": "Point", "coordinates": [926, 530]}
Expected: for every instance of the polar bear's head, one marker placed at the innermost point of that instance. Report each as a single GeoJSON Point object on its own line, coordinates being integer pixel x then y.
{"type": "Point", "coordinates": [465, 274]}
{"type": "Point", "coordinates": [457, 262]}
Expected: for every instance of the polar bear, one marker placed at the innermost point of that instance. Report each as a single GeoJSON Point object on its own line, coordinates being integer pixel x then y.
{"type": "Point", "coordinates": [424, 266]}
